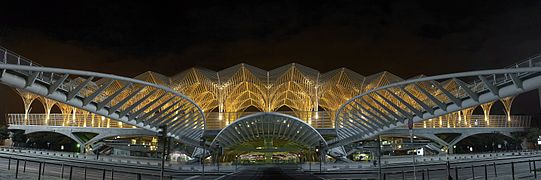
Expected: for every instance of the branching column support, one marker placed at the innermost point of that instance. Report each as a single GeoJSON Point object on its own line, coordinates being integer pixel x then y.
{"type": "Point", "coordinates": [73, 116]}
{"type": "Point", "coordinates": [507, 102]}
{"type": "Point", "coordinates": [455, 116]}
{"type": "Point", "coordinates": [459, 118]}
{"type": "Point", "coordinates": [316, 102]}
{"type": "Point", "coordinates": [466, 114]}
{"type": "Point", "coordinates": [85, 117]}
{"type": "Point", "coordinates": [92, 122]}
{"type": "Point", "coordinates": [486, 111]}
{"type": "Point", "coordinates": [66, 111]}
{"type": "Point", "coordinates": [220, 94]}
{"type": "Point", "coordinates": [48, 105]}
{"type": "Point", "coordinates": [28, 98]}
{"type": "Point", "coordinates": [448, 118]}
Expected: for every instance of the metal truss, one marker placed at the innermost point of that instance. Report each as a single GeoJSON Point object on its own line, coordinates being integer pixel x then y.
{"type": "Point", "coordinates": [300, 88]}
{"type": "Point", "coordinates": [390, 106]}
{"type": "Point", "coordinates": [268, 125]}
{"type": "Point", "coordinates": [132, 101]}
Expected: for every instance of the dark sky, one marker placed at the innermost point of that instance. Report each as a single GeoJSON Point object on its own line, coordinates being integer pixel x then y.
{"type": "Point", "coordinates": [405, 37]}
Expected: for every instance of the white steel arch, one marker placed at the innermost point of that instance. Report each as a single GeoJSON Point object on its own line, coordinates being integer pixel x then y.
{"type": "Point", "coordinates": [269, 124]}
{"type": "Point", "coordinates": [387, 107]}
{"type": "Point", "coordinates": [139, 103]}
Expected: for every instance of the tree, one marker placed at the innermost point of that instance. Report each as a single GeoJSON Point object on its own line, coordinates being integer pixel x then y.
{"type": "Point", "coordinates": [4, 133]}
{"type": "Point", "coordinates": [533, 134]}
{"type": "Point", "coordinates": [18, 138]}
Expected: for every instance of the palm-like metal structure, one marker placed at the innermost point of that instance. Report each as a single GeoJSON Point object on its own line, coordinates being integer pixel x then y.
{"type": "Point", "coordinates": [132, 101]}
{"type": "Point", "coordinates": [384, 108]}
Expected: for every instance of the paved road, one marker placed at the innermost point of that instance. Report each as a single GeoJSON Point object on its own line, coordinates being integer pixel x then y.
{"type": "Point", "coordinates": [271, 173]}
{"type": "Point", "coordinates": [504, 170]}
{"type": "Point", "coordinates": [52, 169]}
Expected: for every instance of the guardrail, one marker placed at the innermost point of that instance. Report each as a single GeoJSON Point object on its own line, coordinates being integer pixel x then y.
{"type": "Point", "coordinates": [317, 119]}
{"type": "Point", "coordinates": [476, 121]}
{"type": "Point", "coordinates": [321, 119]}
{"type": "Point", "coordinates": [9, 57]}
{"type": "Point", "coordinates": [77, 120]}
{"type": "Point", "coordinates": [498, 79]}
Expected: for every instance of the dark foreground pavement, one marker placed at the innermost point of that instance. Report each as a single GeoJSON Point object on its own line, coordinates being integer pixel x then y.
{"type": "Point", "coordinates": [270, 172]}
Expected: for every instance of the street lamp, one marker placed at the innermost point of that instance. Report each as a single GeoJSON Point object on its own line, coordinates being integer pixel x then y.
{"type": "Point", "coordinates": [237, 162]}
{"type": "Point", "coordinates": [202, 157]}
{"type": "Point", "coordinates": [494, 141]}
{"type": "Point", "coordinates": [218, 153]}
{"type": "Point", "coordinates": [164, 153]}
{"type": "Point", "coordinates": [318, 154]}
{"type": "Point", "coordinates": [321, 155]}
{"type": "Point", "coordinates": [379, 157]}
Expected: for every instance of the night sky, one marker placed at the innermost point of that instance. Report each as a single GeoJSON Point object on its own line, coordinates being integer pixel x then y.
{"type": "Point", "coordinates": [405, 37]}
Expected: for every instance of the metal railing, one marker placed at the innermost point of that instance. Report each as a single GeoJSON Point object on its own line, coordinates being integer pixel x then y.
{"type": "Point", "coordinates": [317, 119]}
{"type": "Point", "coordinates": [321, 119]}
{"type": "Point", "coordinates": [499, 79]}
{"type": "Point", "coordinates": [9, 57]}
{"type": "Point", "coordinates": [77, 120]}
{"type": "Point", "coordinates": [476, 121]}
{"type": "Point", "coordinates": [215, 120]}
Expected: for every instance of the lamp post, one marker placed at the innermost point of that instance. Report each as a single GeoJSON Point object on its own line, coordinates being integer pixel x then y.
{"type": "Point", "coordinates": [321, 155]}
{"type": "Point", "coordinates": [164, 154]}
{"type": "Point", "coordinates": [237, 162]}
{"type": "Point", "coordinates": [410, 127]}
{"type": "Point", "coordinates": [493, 141]}
{"type": "Point", "coordinates": [310, 162]}
{"type": "Point", "coordinates": [218, 153]}
{"type": "Point", "coordinates": [317, 154]}
{"type": "Point", "coordinates": [202, 157]}
{"type": "Point", "coordinates": [379, 157]}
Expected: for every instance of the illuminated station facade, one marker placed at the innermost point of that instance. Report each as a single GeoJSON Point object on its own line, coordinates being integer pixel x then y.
{"type": "Point", "coordinates": [285, 114]}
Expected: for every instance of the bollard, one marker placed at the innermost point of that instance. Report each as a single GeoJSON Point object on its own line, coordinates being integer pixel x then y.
{"type": "Point", "coordinates": [24, 166]}
{"type": "Point", "coordinates": [39, 172]}
{"type": "Point", "coordinates": [384, 176]}
{"type": "Point", "coordinates": [403, 175]}
{"type": "Point", "coordinates": [456, 172]}
{"type": "Point", "coordinates": [103, 177]}
{"type": "Point", "coordinates": [9, 163]}
{"type": "Point", "coordinates": [427, 174]}
{"type": "Point", "coordinates": [112, 173]}
{"type": "Point", "coordinates": [71, 172]}
{"type": "Point", "coordinates": [513, 170]}
{"type": "Point", "coordinates": [448, 170]}
{"type": "Point", "coordinates": [139, 176]}
{"type": "Point", "coordinates": [423, 173]}
{"type": "Point", "coordinates": [495, 173]}
{"type": "Point", "coordinates": [85, 172]}
{"type": "Point", "coordinates": [43, 170]}
{"type": "Point", "coordinates": [486, 172]}
{"type": "Point", "coordinates": [472, 172]}
{"type": "Point", "coordinates": [17, 170]}
{"type": "Point", "coordinates": [530, 165]}
{"type": "Point", "coordinates": [62, 172]}
{"type": "Point", "coordinates": [534, 170]}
